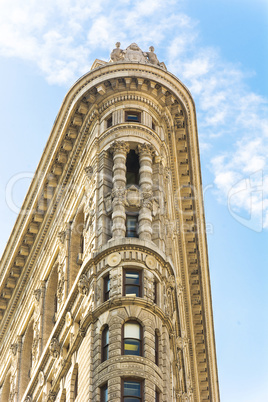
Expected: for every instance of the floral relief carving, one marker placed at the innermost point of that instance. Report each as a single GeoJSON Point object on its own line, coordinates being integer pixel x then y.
{"type": "Point", "coordinates": [60, 288]}
{"type": "Point", "coordinates": [54, 348]}
{"type": "Point", "coordinates": [83, 285]}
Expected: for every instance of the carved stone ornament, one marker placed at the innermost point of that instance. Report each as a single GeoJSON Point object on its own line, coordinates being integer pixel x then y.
{"type": "Point", "coordinates": [83, 285]}
{"type": "Point", "coordinates": [108, 202]}
{"type": "Point", "coordinates": [41, 379]}
{"type": "Point", "coordinates": [60, 287]}
{"type": "Point", "coordinates": [37, 295]}
{"type": "Point", "coordinates": [133, 197]}
{"type": "Point", "coordinates": [68, 319]}
{"type": "Point", "coordinates": [28, 399]}
{"type": "Point", "coordinates": [150, 261]}
{"type": "Point", "coordinates": [14, 348]}
{"type": "Point", "coordinates": [114, 259]}
{"type": "Point", "coordinates": [117, 53]}
{"type": "Point", "coordinates": [89, 172]}
{"type": "Point", "coordinates": [134, 54]}
{"type": "Point", "coordinates": [62, 236]}
{"type": "Point", "coordinates": [54, 348]}
{"type": "Point", "coordinates": [51, 396]}
{"type": "Point", "coordinates": [119, 146]}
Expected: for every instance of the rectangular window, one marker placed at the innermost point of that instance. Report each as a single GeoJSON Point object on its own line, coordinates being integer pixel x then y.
{"type": "Point", "coordinates": [132, 391]}
{"type": "Point", "coordinates": [104, 393]}
{"type": "Point", "coordinates": [157, 396]}
{"type": "Point", "coordinates": [132, 282]}
{"type": "Point", "coordinates": [155, 292]}
{"type": "Point", "coordinates": [109, 121]}
{"type": "Point", "coordinates": [106, 288]}
{"type": "Point", "coordinates": [132, 226]}
{"type": "Point", "coordinates": [133, 116]}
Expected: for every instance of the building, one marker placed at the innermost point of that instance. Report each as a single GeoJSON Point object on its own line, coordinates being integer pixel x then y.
{"type": "Point", "coordinates": [105, 291]}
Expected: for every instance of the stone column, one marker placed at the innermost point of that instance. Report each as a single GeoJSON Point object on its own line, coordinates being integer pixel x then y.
{"type": "Point", "coordinates": [120, 150]}
{"type": "Point", "coordinates": [146, 152]}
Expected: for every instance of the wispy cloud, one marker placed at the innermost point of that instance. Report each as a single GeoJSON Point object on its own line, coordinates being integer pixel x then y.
{"type": "Point", "coordinates": [62, 38]}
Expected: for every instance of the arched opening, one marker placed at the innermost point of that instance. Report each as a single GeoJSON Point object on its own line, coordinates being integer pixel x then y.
{"type": "Point", "coordinates": [6, 389]}
{"type": "Point", "coordinates": [132, 338]}
{"type": "Point", "coordinates": [133, 168]}
{"type": "Point", "coordinates": [51, 303]}
{"type": "Point", "coordinates": [26, 360]}
{"type": "Point", "coordinates": [74, 384]}
{"type": "Point", "coordinates": [105, 344]}
{"type": "Point", "coordinates": [76, 246]}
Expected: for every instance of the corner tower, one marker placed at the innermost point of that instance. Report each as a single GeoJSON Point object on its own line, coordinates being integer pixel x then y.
{"type": "Point", "coordinates": [105, 292]}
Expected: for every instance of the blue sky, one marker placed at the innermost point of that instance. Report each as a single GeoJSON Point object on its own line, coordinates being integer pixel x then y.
{"type": "Point", "coordinates": [219, 49]}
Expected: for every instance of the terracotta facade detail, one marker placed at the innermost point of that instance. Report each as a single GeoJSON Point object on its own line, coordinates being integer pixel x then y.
{"type": "Point", "coordinates": [105, 280]}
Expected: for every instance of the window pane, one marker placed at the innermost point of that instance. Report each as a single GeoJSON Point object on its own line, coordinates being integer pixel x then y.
{"type": "Point", "coordinates": [132, 388]}
{"type": "Point", "coordinates": [106, 336]}
{"type": "Point", "coordinates": [132, 278]}
{"type": "Point", "coordinates": [132, 347]}
{"type": "Point", "coordinates": [132, 290]}
{"type": "Point", "coordinates": [132, 330]}
{"type": "Point", "coordinates": [105, 353]}
{"type": "Point", "coordinates": [104, 393]}
{"type": "Point", "coordinates": [132, 226]}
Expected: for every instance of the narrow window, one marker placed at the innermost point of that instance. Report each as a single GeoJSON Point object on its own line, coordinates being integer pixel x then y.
{"type": "Point", "coordinates": [105, 344]}
{"type": "Point", "coordinates": [156, 348]}
{"type": "Point", "coordinates": [104, 393]}
{"type": "Point", "coordinates": [157, 396]}
{"type": "Point", "coordinates": [132, 391]}
{"type": "Point", "coordinates": [155, 291]}
{"type": "Point", "coordinates": [132, 282]}
{"type": "Point", "coordinates": [132, 338]}
{"type": "Point", "coordinates": [133, 167]}
{"type": "Point", "coordinates": [106, 288]}
{"type": "Point", "coordinates": [132, 226]}
{"type": "Point", "coordinates": [133, 116]}
{"type": "Point", "coordinates": [76, 386]}
{"type": "Point", "coordinates": [109, 121]}
{"type": "Point", "coordinates": [153, 125]}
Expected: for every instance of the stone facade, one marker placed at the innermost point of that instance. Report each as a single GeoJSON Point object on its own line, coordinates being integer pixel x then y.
{"type": "Point", "coordinates": [105, 286]}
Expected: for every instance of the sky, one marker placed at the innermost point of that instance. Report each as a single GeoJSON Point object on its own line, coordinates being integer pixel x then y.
{"type": "Point", "coordinates": [219, 50]}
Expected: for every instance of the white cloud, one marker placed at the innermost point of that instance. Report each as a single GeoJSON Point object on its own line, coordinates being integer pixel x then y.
{"type": "Point", "coordinates": [63, 37]}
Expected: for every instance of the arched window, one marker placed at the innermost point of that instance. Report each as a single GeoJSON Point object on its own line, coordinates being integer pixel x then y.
{"type": "Point", "coordinates": [76, 247]}
{"type": "Point", "coordinates": [156, 347]}
{"type": "Point", "coordinates": [104, 392]}
{"type": "Point", "coordinates": [132, 338]}
{"type": "Point", "coordinates": [76, 386]}
{"type": "Point", "coordinates": [106, 287]}
{"type": "Point", "coordinates": [6, 389]}
{"type": "Point", "coordinates": [132, 390]}
{"type": "Point", "coordinates": [51, 303]}
{"type": "Point", "coordinates": [105, 344]}
{"type": "Point", "coordinates": [26, 360]}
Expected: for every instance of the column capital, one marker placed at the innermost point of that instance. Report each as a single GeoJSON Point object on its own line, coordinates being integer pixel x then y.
{"type": "Point", "coordinates": [145, 149]}
{"type": "Point", "coordinates": [119, 146]}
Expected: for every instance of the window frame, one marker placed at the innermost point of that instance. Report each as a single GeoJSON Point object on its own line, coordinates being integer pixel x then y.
{"type": "Point", "coordinates": [138, 381]}
{"type": "Point", "coordinates": [156, 347]}
{"type": "Point", "coordinates": [104, 345]}
{"type": "Point", "coordinates": [136, 233]}
{"type": "Point", "coordinates": [109, 121]}
{"type": "Point", "coordinates": [123, 338]}
{"type": "Point", "coordinates": [133, 113]}
{"type": "Point", "coordinates": [106, 293]}
{"type": "Point", "coordinates": [139, 286]}
{"type": "Point", "coordinates": [103, 388]}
